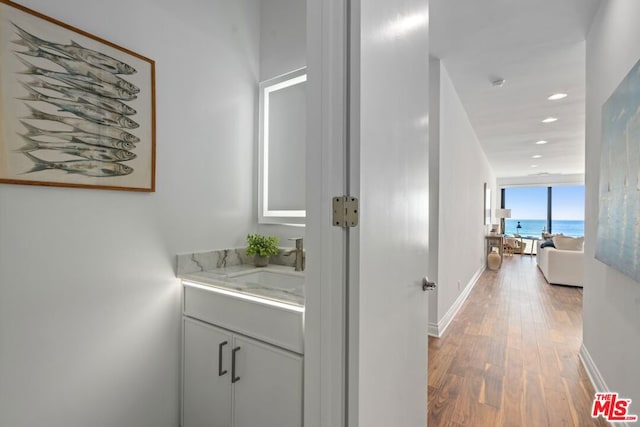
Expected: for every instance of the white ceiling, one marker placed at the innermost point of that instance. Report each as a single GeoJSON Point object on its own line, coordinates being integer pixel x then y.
{"type": "Point", "coordinates": [538, 47]}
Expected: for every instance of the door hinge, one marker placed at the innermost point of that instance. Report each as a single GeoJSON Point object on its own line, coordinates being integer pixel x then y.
{"type": "Point", "coordinates": [345, 211]}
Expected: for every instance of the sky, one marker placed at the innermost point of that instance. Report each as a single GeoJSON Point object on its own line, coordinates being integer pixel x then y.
{"type": "Point", "coordinates": [531, 202]}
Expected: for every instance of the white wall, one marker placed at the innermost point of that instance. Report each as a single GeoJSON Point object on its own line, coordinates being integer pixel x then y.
{"type": "Point", "coordinates": [89, 304]}
{"type": "Point", "coordinates": [552, 180]}
{"type": "Point", "coordinates": [283, 41]}
{"type": "Point", "coordinates": [611, 300]}
{"type": "Point", "coordinates": [464, 169]}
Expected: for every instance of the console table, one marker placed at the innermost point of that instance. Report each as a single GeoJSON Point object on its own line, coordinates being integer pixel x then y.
{"type": "Point", "coordinates": [494, 241]}
{"type": "Point", "coordinates": [534, 242]}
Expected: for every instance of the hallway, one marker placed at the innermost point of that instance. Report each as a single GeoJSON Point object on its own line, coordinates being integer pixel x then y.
{"type": "Point", "coordinates": [510, 356]}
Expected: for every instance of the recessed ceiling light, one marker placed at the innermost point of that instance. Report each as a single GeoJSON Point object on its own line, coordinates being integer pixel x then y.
{"type": "Point", "coordinates": [534, 166]}
{"type": "Point", "coordinates": [549, 120]}
{"type": "Point", "coordinates": [557, 96]}
{"type": "Point", "coordinates": [541, 142]}
{"type": "Point", "coordinates": [536, 156]}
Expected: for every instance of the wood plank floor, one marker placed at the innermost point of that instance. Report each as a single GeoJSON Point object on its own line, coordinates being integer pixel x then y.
{"type": "Point", "coordinates": [510, 357]}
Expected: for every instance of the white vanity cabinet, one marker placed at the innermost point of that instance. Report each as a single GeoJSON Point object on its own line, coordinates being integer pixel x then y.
{"type": "Point", "coordinates": [268, 392]}
{"type": "Point", "coordinates": [229, 378]}
{"type": "Point", "coordinates": [206, 376]}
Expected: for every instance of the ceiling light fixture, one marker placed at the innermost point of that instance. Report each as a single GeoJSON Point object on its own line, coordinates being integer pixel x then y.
{"type": "Point", "coordinates": [549, 120]}
{"type": "Point", "coordinates": [557, 96]}
{"type": "Point", "coordinates": [497, 82]}
{"type": "Point", "coordinates": [541, 142]}
{"type": "Point", "coordinates": [536, 156]}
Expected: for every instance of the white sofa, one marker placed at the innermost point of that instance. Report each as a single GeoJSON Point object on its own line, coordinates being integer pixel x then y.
{"type": "Point", "coordinates": [560, 266]}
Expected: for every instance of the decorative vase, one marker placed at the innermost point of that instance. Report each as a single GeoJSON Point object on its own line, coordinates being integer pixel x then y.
{"type": "Point", "coordinates": [261, 261]}
{"type": "Point", "coordinates": [493, 259]}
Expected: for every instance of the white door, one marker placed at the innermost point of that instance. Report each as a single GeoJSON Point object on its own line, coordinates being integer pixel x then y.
{"type": "Point", "coordinates": [380, 311]}
{"type": "Point", "coordinates": [268, 385]}
{"type": "Point", "coordinates": [206, 380]}
{"type": "Point", "coordinates": [389, 174]}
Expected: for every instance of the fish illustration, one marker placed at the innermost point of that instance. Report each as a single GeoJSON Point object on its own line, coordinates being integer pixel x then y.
{"type": "Point", "coordinates": [84, 110]}
{"type": "Point", "coordinates": [79, 149]}
{"type": "Point", "coordinates": [81, 95]}
{"type": "Point", "coordinates": [80, 82]}
{"type": "Point", "coordinates": [81, 137]}
{"type": "Point", "coordinates": [85, 126]}
{"type": "Point", "coordinates": [92, 168]}
{"type": "Point", "coordinates": [82, 68]}
{"type": "Point", "coordinates": [76, 51]}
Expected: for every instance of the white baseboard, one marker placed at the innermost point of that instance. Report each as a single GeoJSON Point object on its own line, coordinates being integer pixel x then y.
{"type": "Point", "coordinates": [592, 370]}
{"type": "Point", "coordinates": [595, 376]}
{"type": "Point", "coordinates": [437, 329]}
{"type": "Point", "coordinates": [433, 329]}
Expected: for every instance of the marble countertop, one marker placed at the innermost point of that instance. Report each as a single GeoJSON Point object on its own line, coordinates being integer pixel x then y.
{"type": "Point", "coordinates": [239, 278]}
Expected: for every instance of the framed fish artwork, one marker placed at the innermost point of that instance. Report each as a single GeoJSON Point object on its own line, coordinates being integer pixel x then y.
{"type": "Point", "coordinates": [75, 110]}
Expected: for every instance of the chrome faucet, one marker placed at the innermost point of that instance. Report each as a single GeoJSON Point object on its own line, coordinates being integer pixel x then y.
{"type": "Point", "coordinates": [299, 253]}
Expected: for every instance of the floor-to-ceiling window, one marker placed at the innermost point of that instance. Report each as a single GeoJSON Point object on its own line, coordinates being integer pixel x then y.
{"type": "Point", "coordinates": [558, 209]}
{"type": "Point", "coordinates": [567, 210]}
{"type": "Point", "coordinates": [528, 209]}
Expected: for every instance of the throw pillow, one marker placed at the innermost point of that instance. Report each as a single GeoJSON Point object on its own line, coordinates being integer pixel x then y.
{"type": "Point", "coordinates": [547, 236]}
{"type": "Point", "coordinates": [568, 243]}
{"type": "Point", "coordinates": [548, 243]}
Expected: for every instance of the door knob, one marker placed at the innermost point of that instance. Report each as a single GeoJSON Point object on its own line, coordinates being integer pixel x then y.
{"type": "Point", "coordinates": [427, 285]}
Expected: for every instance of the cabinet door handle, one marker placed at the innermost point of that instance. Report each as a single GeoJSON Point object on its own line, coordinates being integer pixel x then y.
{"type": "Point", "coordinates": [220, 371]}
{"type": "Point", "coordinates": [234, 379]}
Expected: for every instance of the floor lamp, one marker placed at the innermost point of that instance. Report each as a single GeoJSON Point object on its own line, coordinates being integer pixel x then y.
{"type": "Point", "coordinates": [502, 214]}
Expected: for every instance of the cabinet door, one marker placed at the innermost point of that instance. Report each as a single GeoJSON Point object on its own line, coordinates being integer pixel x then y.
{"type": "Point", "coordinates": [268, 387]}
{"type": "Point", "coordinates": [206, 387]}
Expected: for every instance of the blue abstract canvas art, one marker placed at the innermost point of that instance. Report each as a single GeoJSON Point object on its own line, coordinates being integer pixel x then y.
{"type": "Point", "coordinates": [618, 238]}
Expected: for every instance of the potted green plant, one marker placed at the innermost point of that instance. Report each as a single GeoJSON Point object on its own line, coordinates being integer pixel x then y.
{"type": "Point", "coordinates": [261, 247]}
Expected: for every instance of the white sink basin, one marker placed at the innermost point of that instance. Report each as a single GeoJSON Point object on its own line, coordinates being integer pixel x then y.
{"type": "Point", "coordinates": [271, 279]}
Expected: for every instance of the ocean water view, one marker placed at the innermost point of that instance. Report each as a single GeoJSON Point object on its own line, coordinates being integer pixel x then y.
{"type": "Point", "coordinates": [534, 227]}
